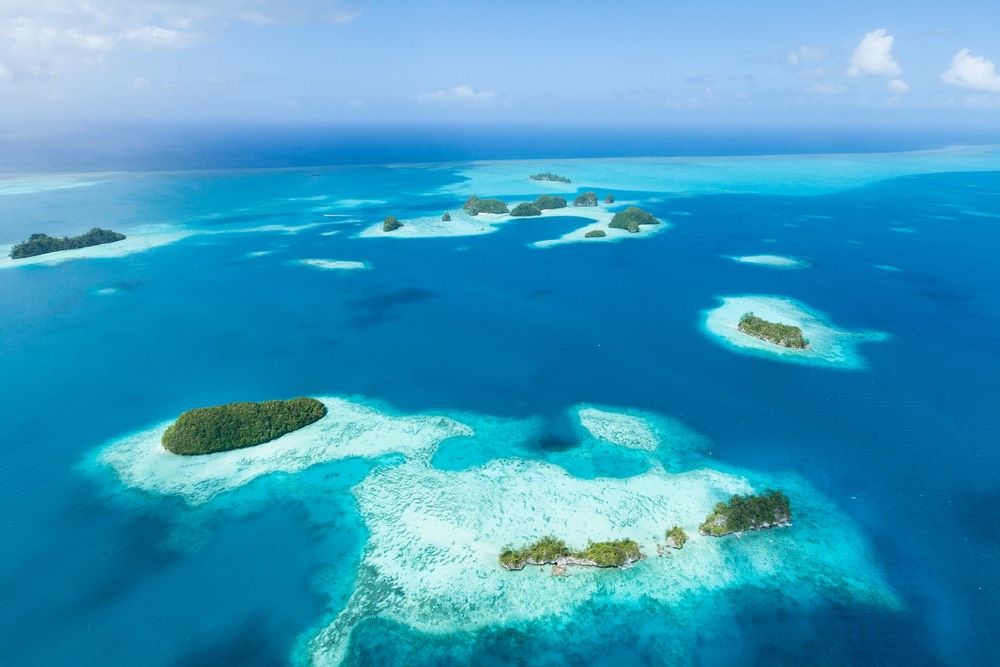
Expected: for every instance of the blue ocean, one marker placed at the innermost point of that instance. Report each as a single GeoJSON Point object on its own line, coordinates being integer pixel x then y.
{"type": "Point", "coordinates": [491, 380]}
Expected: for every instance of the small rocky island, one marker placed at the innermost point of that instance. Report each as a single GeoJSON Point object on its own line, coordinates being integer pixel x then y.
{"type": "Point", "coordinates": [474, 206]}
{"type": "Point", "coordinates": [41, 244]}
{"type": "Point", "coordinates": [525, 210]}
{"type": "Point", "coordinates": [595, 234]}
{"type": "Point", "coordinates": [631, 218]}
{"type": "Point", "coordinates": [586, 199]}
{"type": "Point", "coordinates": [676, 537]}
{"type": "Point", "coordinates": [610, 199]}
{"type": "Point", "coordinates": [785, 335]}
{"type": "Point", "coordinates": [446, 217]}
{"type": "Point", "coordinates": [551, 550]}
{"type": "Point", "coordinates": [549, 176]}
{"type": "Point", "coordinates": [391, 224]}
{"type": "Point", "coordinates": [238, 425]}
{"type": "Point", "coordinates": [770, 509]}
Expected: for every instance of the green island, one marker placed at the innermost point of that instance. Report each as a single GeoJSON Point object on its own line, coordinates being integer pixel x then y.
{"type": "Point", "coordinates": [550, 201]}
{"type": "Point", "coordinates": [549, 176]}
{"type": "Point", "coordinates": [676, 537]}
{"type": "Point", "coordinates": [595, 234]}
{"type": "Point", "coordinates": [391, 224]}
{"type": "Point", "coordinates": [586, 199]}
{"type": "Point", "coordinates": [238, 425]}
{"type": "Point", "coordinates": [525, 210]}
{"type": "Point", "coordinates": [766, 510]}
{"type": "Point", "coordinates": [631, 218]}
{"type": "Point", "coordinates": [42, 244]}
{"type": "Point", "coordinates": [784, 335]}
{"type": "Point", "coordinates": [610, 199]}
{"type": "Point", "coordinates": [474, 206]}
{"type": "Point", "coordinates": [446, 217]}
{"type": "Point", "coordinates": [551, 550]}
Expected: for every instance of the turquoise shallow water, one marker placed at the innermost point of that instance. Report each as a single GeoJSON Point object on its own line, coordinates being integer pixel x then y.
{"type": "Point", "coordinates": [509, 340]}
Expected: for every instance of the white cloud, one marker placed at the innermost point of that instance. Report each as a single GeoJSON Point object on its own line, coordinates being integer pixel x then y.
{"type": "Point", "coordinates": [975, 72]}
{"type": "Point", "coordinates": [40, 38]}
{"type": "Point", "coordinates": [898, 86]}
{"type": "Point", "coordinates": [152, 36]}
{"type": "Point", "coordinates": [874, 56]}
{"type": "Point", "coordinates": [461, 94]}
{"type": "Point", "coordinates": [140, 83]}
{"type": "Point", "coordinates": [4, 71]}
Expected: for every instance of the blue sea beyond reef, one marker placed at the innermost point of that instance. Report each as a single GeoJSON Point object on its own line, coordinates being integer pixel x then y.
{"type": "Point", "coordinates": [492, 380]}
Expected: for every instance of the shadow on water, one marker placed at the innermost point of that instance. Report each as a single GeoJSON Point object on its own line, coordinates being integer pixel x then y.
{"type": "Point", "coordinates": [371, 310]}
{"type": "Point", "coordinates": [251, 644]}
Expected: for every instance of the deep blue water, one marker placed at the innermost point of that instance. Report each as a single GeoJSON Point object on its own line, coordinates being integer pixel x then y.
{"type": "Point", "coordinates": [906, 447]}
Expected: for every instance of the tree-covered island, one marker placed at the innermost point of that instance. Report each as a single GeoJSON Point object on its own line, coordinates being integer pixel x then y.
{"type": "Point", "coordinates": [525, 210]}
{"type": "Point", "coordinates": [549, 176]}
{"type": "Point", "coordinates": [41, 244]}
{"type": "Point", "coordinates": [586, 199]}
{"type": "Point", "coordinates": [446, 217]}
{"type": "Point", "coordinates": [550, 201]}
{"type": "Point", "coordinates": [391, 224]}
{"type": "Point", "coordinates": [595, 234]}
{"type": "Point", "coordinates": [631, 218]}
{"type": "Point", "coordinates": [766, 510]}
{"type": "Point", "coordinates": [238, 425]}
{"type": "Point", "coordinates": [551, 550]}
{"type": "Point", "coordinates": [610, 199]}
{"type": "Point", "coordinates": [785, 335]}
{"type": "Point", "coordinates": [474, 206]}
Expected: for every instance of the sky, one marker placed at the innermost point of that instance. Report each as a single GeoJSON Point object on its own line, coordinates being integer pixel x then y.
{"type": "Point", "coordinates": [722, 62]}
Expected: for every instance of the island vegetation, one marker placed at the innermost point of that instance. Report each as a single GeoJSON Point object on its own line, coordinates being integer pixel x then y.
{"type": "Point", "coordinates": [553, 551]}
{"type": "Point", "coordinates": [586, 199]}
{"type": "Point", "coordinates": [549, 176]}
{"type": "Point", "coordinates": [595, 234]}
{"type": "Point", "coordinates": [446, 217]}
{"type": "Point", "coordinates": [676, 537]}
{"type": "Point", "coordinates": [391, 224]}
{"type": "Point", "coordinates": [525, 210]}
{"type": "Point", "coordinates": [785, 335]}
{"type": "Point", "coordinates": [749, 512]}
{"type": "Point", "coordinates": [237, 425]}
{"type": "Point", "coordinates": [474, 206]}
{"type": "Point", "coordinates": [610, 199]}
{"type": "Point", "coordinates": [41, 244]}
{"type": "Point", "coordinates": [631, 218]}
{"type": "Point", "coordinates": [550, 201]}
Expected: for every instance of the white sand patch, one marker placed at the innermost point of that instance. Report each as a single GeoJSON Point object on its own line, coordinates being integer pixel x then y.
{"type": "Point", "coordinates": [601, 216]}
{"type": "Point", "coordinates": [431, 559]}
{"type": "Point", "coordinates": [258, 253]}
{"type": "Point", "coordinates": [432, 226]}
{"type": "Point", "coordinates": [903, 230]}
{"type": "Point", "coordinates": [828, 345]}
{"type": "Point", "coordinates": [978, 214]}
{"type": "Point", "coordinates": [772, 261]}
{"type": "Point", "coordinates": [332, 232]}
{"type": "Point", "coordinates": [887, 267]}
{"type": "Point", "coordinates": [28, 185]}
{"type": "Point", "coordinates": [140, 239]}
{"type": "Point", "coordinates": [335, 264]}
{"type": "Point", "coordinates": [618, 428]}
{"type": "Point", "coordinates": [348, 430]}
{"type": "Point", "coordinates": [137, 240]}
{"type": "Point", "coordinates": [358, 203]}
